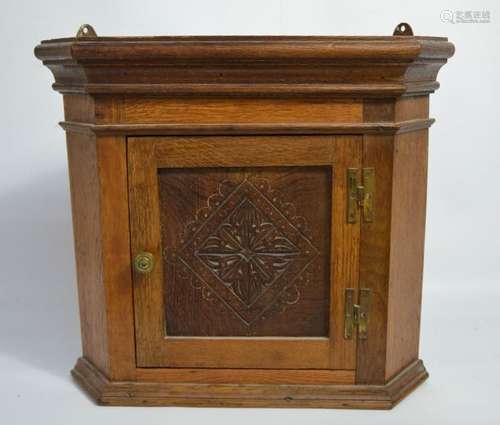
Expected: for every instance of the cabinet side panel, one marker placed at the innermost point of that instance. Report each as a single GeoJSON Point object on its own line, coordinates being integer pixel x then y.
{"type": "Point", "coordinates": [374, 261]}
{"type": "Point", "coordinates": [79, 108]}
{"type": "Point", "coordinates": [407, 242]}
{"type": "Point", "coordinates": [412, 108]}
{"type": "Point", "coordinates": [84, 184]}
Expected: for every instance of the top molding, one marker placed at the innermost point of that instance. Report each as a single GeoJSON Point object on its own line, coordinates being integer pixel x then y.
{"type": "Point", "coordinates": [246, 65]}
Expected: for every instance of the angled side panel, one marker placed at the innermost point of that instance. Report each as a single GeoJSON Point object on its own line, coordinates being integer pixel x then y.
{"type": "Point", "coordinates": [85, 202]}
{"type": "Point", "coordinates": [407, 252]}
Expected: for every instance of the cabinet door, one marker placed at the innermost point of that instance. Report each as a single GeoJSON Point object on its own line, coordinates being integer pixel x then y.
{"type": "Point", "coordinates": [252, 250]}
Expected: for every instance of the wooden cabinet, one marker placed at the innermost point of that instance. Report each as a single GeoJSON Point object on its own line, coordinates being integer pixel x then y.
{"type": "Point", "coordinates": [249, 215]}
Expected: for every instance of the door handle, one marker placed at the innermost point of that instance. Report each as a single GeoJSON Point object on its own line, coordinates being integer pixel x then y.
{"type": "Point", "coordinates": [144, 262]}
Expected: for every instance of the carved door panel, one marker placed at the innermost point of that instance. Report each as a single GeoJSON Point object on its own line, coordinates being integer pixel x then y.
{"type": "Point", "coordinates": [252, 250]}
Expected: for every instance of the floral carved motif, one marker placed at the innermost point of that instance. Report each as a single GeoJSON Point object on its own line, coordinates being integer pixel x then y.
{"type": "Point", "coordinates": [247, 249]}
{"type": "Point", "coordinates": [247, 252]}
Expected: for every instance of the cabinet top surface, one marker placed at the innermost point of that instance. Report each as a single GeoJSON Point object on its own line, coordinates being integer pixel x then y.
{"type": "Point", "coordinates": [402, 43]}
{"type": "Point", "coordinates": [244, 48]}
{"type": "Point", "coordinates": [243, 39]}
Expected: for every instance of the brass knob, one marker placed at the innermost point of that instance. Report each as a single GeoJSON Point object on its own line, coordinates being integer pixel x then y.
{"type": "Point", "coordinates": [144, 262]}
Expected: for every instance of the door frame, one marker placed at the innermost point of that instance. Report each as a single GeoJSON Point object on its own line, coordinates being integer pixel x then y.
{"type": "Point", "coordinates": [156, 349]}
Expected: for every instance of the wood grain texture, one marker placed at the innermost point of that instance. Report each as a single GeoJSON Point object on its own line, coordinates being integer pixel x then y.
{"type": "Point", "coordinates": [145, 236]}
{"type": "Point", "coordinates": [261, 266]}
{"type": "Point", "coordinates": [79, 108]}
{"type": "Point", "coordinates": [345, 249]}
{"type": "Point", "coordinates": [115, 243]}
{"type": "Point", "coordinates": [145, 155]}
{"type": "Point", "coordinates": [247, 66]}
{"type": "Point", "coordinates": [240, 353]}
{"type": "Point", "coordinates": [85, 204]}
{"type": "Point", "coordinates": [242, 151]}
{"type": "Point", "coordinates": [407, 250]}
{"type": "Point", "coordinates": [374, 261]}
{"type": "Point", "coordinates": [411, 108]}
{"type": "Point", "coordinates": [279, 107]}
{"type": "Point", "coordinates": [100, 222]}
{"type": "Point", "coordinates": [386, 396]}
{"type": "Point", "coordinates": [250, 129]}
{"type": "Point", "coordinates": [379, 110]}
{"type": "Point", "coordinates": [226, 111]}
{"type": "Point", "coordinates": [247, 376]}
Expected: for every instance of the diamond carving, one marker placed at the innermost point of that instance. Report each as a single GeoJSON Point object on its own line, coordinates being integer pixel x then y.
{"type": "Point", "coordinates": [247, 253]}
{"type": "Point", "coordinates": [247, 249]}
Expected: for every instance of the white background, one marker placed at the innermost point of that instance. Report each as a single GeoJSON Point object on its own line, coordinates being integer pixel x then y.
{"type": "Point", "coordinates": [39, 328]}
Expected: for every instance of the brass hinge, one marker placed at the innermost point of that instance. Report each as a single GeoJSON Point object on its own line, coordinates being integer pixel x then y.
{"type": "Point", "coordinates": [356, 314]}
{"type": "Point", "coordinates": [360, 196]}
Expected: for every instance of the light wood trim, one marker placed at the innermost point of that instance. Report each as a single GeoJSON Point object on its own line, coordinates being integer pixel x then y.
{"type": "Point", "coordinates": [374, 261]}
{"type": "Point", "coordinates": [145, 236]}
{"type": "Point", "coordinates": [409, 194]}
{"type": "Point", "coordinates": [286, 353]}
{"type": "Point", "coordinates": [85, 206]}
{"type": "Point", "coordinates": [115, 242]}
{"type": "Point", "coordinates": [247, 376]}
{"type": "Point", "coordinates": [327, 91]}
{"type": "Point", "coordinates": [227, 111]}
{"type": "Point", "coordinates": [344, 250]}
{"type": "Point", "coordinates": [129, 393]}
{"type": "Point", "coordinates": [376, 127]}
{"type": "Point", "coordinates": [241, 151]}
{"type": "Point", "coordinates": [411, 108]}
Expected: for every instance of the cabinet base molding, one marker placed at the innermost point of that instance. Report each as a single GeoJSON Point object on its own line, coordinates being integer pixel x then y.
{"type": "Point", "coordinates": [131, 393]}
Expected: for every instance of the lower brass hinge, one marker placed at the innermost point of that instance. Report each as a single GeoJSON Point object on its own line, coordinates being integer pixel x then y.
{"type": "Point", "coordinates": [356, 315]}
{"type": "Point", "coordinates": [360, 196]}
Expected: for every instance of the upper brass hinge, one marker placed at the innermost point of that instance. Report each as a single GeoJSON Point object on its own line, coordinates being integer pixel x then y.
{"type": "Point", "coordinates": [356, 314]}
{"type": "Point", "coordinates": [360, 196]}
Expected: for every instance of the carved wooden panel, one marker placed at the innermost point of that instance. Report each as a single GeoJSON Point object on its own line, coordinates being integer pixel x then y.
{"type": "Point", "coordinates": [246, 250]}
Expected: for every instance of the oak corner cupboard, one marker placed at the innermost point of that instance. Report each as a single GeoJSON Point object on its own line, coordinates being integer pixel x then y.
{"type": "Point", "coordinates": [248, 215]}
